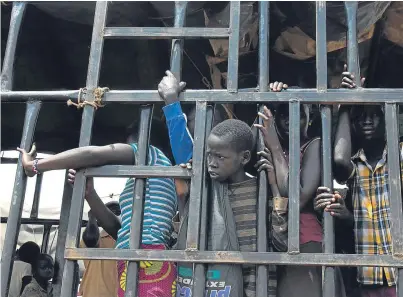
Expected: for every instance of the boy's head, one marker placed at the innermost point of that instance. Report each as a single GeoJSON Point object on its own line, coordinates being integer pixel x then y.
{"type": "Point", "coordinates": [28, 252]}
{"type": "Point", "coordinates": [43, 267]}
{"type": "Point", "coordinates": [368, 122]}
{"type": "Point", "coordinates": [229, 148]}
{"type": "Point", "coordinates": [114, 207]}
{"type": "Point", "coordinates": [282, 119]}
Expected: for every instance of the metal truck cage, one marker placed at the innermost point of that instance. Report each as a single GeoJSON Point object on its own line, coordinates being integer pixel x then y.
{"type": "Point", "coordinates": [196, 252]}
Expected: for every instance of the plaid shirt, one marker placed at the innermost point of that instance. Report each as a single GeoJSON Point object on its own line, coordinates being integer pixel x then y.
{"type": "Point", "coordinates": [371, 203]}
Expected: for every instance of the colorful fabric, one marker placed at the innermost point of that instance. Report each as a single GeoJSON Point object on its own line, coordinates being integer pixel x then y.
{"type": "Point", "coordinates": [159, 207]}
{"type": "Point", "coordinates": [371, 203]}
{"type": "Point", "coordinates": [243, 200]}
{"type": "Point", "coordinates": [157, 279]}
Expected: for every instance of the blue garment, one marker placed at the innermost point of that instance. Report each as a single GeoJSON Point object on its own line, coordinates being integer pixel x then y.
{"type": "Point", "coordinates": [159, 207]}
{"type": "Point", "coordinates": [179, 136]}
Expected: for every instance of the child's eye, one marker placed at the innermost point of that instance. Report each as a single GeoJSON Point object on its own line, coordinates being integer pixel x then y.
{"type": "Point", "coordinates": [221, 157]}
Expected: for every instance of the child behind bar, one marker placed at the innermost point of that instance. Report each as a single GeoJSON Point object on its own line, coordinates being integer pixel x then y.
{"type": "Point", "coordinates": [292, 280]}
{"type": "Point", "coordinates": [228, 150]}
{"type": "Point", "coordinates": [42, 271]}
{"type": "Point", "coordinates": [366, 173]}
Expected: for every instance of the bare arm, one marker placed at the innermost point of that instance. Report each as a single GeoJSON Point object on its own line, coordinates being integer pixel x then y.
{"type": "Point", "coordinates": [91, 232]}
{"type": "Point", "coordinates": [342, 147]}
{"type": "Point", "coordinates": [82, 157]}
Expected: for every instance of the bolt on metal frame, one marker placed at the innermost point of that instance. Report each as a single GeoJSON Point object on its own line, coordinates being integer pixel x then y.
{"type": "Point", "coordinates": [196, 253]}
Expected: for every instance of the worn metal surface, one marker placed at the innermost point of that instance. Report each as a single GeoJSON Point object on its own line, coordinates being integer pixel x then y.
{"type": "Point", "coordinates": [30, 221]}
{"type": "Point", "coordinates": [37, 194]}
{"type": "Point", "coordinates": [165, 33]}
{"type": "Point", "coordinates": [313, 259]}
{"type": "Point", "coordinates": [77, 204]}
{"type": "Point", "coordinates": [137, 171]}
{"type": "Point", "coordinates": [353, 61]}
{"type": "Point", "coordinates": [233, 54]}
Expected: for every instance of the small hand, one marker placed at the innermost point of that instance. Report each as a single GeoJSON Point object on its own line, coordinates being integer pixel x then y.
{"type": "Point", "coordinates": [348, 80]}
{"type": "Point", "coordinates": [182, 186]}
{"type": "Point", "coordinates": [265, 163]}
{"type": "Point", "coordinates": [323, 198]}
{"type": "Point", "coordinates": [338, 207]}
{"type": "Point", "coordinates": [169, 88]}
{"type": "Point", "coordinates": [278, 86]}
{"type": "Point", "coordinates": [27, 160]}
{"type": "Point", "coordinates": [268, 128]}
{"type": "Point", "coordinates": [89, 185]}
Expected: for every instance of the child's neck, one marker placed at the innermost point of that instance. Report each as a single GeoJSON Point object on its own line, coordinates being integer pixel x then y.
{"type": "Point", "coordinates": [374, 150]}
{"type": "Point", "coordinates": [43, 283]}
{"type": "Point", "coordinates": [238, 177]}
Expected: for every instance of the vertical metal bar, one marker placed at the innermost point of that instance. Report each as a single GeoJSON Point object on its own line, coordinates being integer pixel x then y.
{"type": "Point", "coordinates": [233, 54]}
{"type": "Point", "coordinates": [138, 199]}
{"type": "Point", "coordinates": [45, 238]}
{"type": "Point", "coordinates": [7, 74]}
{"type": "Point", "coordinates": [200, 269]}
{"type": "Point", "coordinates": [395, 186]}
{"type": "Point", "coordinates": [294, 178]}
{"type": "Point", "coordinates": [37, 194]}
{"type": "Point", "coordinates": [17, 199]}
{"type": "Point", "coordinates": [262, 270]}
{"type": "Point", "coordinates": [61, 237]}
{"type": "Point", "coordinates": [326, 117]}
{"type": "Point", "coordinates": [177, 44]}
{"type": "Point", "coordinates": [352, 42]}
{"type": "Point", "coordinates": [85, 139]}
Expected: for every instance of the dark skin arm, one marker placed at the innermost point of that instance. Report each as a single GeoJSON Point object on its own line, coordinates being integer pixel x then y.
{"type": "Point", "coordinates": [82, 157]}
{"type": "Point", "coordinates": [169, 88]}
{"type": "Point", "coordinates": [310, 172]}
{"type": "Point", "coordinates": [266, 163]}
{"type": "Point", "coordinates": [91, 232]}
{"type": "Point", "coordinates": [105, 217]}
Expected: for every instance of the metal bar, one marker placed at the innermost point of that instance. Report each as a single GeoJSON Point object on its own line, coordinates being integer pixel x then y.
{"type": "Point", "coordinates": [200, 269]}
{"type": "Point", "coordinates": [263, 207]}
{"type": "Point", "coordinates": [77, 204]}
{"type": "Point", "coordinates": [7, 74]}
{"type": "Point", "coordinates": [45, 238]}
{"type": "Point", "coordinates": [17, 199]}
{"type": "Point", "coordinates": [137, 171]}
{"type": "Point", "coordinates": [28, 221]}
{"type": "Point", "coordinates": [294, 177]}
{"type": "Point", "coordinates": [326, 117]}
{"type": "Point", "coordinates": [37, 194]}
{"type": "Point", "coordinates": [222, 257]}
{"type": "Point", "coordinates": [353, 60]}
{"type": "Point", "coordinates": [395, 186]}
{"type": "Point", "coordinates": [165, 33]}
{"type": "Point", "coordinates": [61, 237]}
{"type": "Point", "coordinates": [193, 231]}
{"type": "Point", "coordinates": [138, 198]}
{"type": "Point", "coordinates": [333, 96]}
{"type": "Point", "coordinates": [233, 52]}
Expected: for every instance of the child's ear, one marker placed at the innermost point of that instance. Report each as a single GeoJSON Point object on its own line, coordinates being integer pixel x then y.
{"type": "Point", "coordinates": [246, 157]}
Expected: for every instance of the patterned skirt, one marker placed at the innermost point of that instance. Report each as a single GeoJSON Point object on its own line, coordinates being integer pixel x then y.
{"type": "Point", "coordinates": [155, 278]}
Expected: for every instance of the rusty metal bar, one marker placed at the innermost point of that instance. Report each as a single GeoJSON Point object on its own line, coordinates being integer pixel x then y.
{"type": "Point", "coordinates": [395, 186]}
{"type": "Point", "coordinates": [45, 238]}
{"type": "Point", "coordinates": [311, 259]}
{"type": "Point", "coordinates": [353, 60]}
{"type": "Point", "coordinates": [294, 177]}
{"type": "Point", "coordinates": [137, 171]}
{"type": "Point", "coordinates": [333, 96]}
{"type": "Point", "coordinates": [263, 207]}
{"type": "Point", "coordinates": [17, 15]}
{"type": "Point", "coordinates": [61, 237]}
{"type": "Point", "coordinates": [326, 117]}
{"type": "Point", "coordinates": [165, 33]}
{"type": "Point", "coordinates": [233, 51]}
{"type": "Point", "coordinates": [17, 199]}
{"type": "Point", "coordinates": [77, 204]}
{"type": "Point", "coordinates": [37, 194]}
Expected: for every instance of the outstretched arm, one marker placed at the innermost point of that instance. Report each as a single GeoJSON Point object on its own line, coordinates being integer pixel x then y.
{"type": "Point", "coordinates": [82, 157]}
{"type": "Point", "coordinates": [91, 232]}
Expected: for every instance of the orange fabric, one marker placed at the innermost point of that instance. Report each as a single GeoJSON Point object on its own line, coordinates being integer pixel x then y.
{"type": "Point", "coordinates": [101, 276]}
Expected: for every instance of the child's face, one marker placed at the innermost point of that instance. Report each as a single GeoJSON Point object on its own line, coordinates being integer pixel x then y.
{"type": "Point", "coordinates": [368, 122]}
{"type": "Point", "coordinates": [45, 269]}
{"type": "Point", "coordinates": [282, 119]}
{"type": "Point", "coordinates": [223, 162]}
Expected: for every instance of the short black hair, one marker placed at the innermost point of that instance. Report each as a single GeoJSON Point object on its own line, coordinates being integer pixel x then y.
{"type": "Point", "coordinates": [40, 257]}
{"type": "Point", "coordinates": [28, 252]}
{"type": "Point", "coordinates": [239, 133]}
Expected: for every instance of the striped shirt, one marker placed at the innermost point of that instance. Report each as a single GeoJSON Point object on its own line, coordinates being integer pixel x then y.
{"type": "Point", "coordinates": [243, 200]}
{"type": "Point", "coordinates": [159, 206]}
{"type": "Point", "coordinates": [371, 203]}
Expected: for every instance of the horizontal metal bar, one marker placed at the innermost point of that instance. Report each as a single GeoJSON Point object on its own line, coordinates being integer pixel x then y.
{"type": "Point", "coordinates": [165, 33]}
{"type": "Point", "coordinates": [314, 259]}
{"type": "Point", "coordinates": [29, 221]}
{"type": "Point", "coordinates": [337, 96]}
{"type": "Point", "coordinates": [138, 171]}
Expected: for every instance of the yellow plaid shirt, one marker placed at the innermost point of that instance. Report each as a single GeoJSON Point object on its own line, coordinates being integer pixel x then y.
{"type": "Point", "coordinates": [371, 203]}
